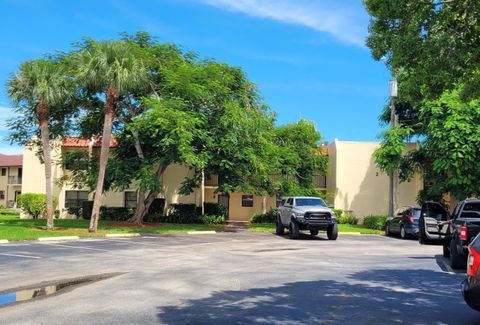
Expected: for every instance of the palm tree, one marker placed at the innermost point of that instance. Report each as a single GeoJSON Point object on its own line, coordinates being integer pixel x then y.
{"type": "Point", "coordinates": [113, 70]}
{"type": "Point", "coordinates": [37, 87]}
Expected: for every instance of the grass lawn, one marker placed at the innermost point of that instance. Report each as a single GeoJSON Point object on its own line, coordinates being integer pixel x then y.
{"type": "Point", "coordinates": [270, 227]}
{"type": "Point", "coordinates": [14, 228]}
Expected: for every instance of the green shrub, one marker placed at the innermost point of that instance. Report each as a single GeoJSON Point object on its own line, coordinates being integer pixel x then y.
{"type": "Point", "coordinates": [375, 222]}
{"type": "Point", "coordinates": [347, 218]}
{"type": "Point", "coordinates": [33, 204]}
{"type": "Point", "coordinates": [9, 212]}
{"type": "Point", "coordinates": [338, 212]}
{"type": "Point", "coordinates": [177, 218]}
{"type": "Point", "coordinates": [116, 213]}
{"type": "Point", "coordinates": [269, 217]}
{"type": "Point", "coordinates": [215, 209]}
{"type": "Point", "coordinates": [212, 219]}
{"type": "Point", "coordinates": [183, 210]}
{"type": "Point", "coordinates": [157, 206]}
{"type": "Point", "coordinates": [76, 211]}
{"type": "Point", "coordinates": [57, 214]}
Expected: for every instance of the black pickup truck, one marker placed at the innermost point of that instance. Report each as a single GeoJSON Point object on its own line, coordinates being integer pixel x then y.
{"type": "Point", "coordinates": [454, 232]}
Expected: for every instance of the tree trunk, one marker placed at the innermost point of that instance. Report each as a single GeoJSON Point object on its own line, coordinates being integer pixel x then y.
{"type": "Point", "coordinates": [144, 205]}
{"type": "Point", "coordinates": [111, 100]}
{"type": "Point", "coordinates": [43, 115]}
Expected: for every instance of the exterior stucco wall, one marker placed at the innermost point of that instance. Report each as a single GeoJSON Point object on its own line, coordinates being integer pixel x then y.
{"type": "Point", "coordinates": [361, 187]}
{"type": "Point", "coordinates": [239, 213]}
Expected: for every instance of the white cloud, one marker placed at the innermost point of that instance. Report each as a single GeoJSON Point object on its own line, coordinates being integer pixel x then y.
{"type": "Point", "coordinates": [345, 23]}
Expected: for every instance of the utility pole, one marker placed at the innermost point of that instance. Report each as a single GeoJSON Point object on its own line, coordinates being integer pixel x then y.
{"type": "Point", "coordinates": [394, 178]}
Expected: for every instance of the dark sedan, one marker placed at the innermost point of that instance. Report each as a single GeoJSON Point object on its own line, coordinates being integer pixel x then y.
{"type": "Point", "coordinates": [405, 223]}
{"type": "Point", "coordinates": [471, 285]}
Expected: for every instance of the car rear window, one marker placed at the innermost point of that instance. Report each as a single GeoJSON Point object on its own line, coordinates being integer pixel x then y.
{"type": "Point", "coordinates": [471, 210]}
{"type": "Point", "coordinates": [310, 202]}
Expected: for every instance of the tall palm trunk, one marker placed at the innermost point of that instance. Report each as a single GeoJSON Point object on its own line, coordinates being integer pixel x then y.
{"type": "Point", "coordinates": [111, 95]}
{"type": "Point", "coordinates": [43, 114]}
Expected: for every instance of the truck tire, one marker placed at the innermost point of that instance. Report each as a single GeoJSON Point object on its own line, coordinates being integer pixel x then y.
{"type": "Point", "coordinates": [457, 261]}
{"type": "Point", "coordinates": [446, 251]}
{"type": "Point", "coordinates": [313, 232]}
{"type": "Point", "coordinates": [294, 230]}
{"type": "Point", "coordinates": [332, 232]}
{"type": "Point", "coordinates": [279, 229]}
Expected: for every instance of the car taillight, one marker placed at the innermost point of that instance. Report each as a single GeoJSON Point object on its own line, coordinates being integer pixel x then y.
{"type": "Point", "coordinates": [473, 262]}
{"type": "Point", "coordinates": [463, 233]}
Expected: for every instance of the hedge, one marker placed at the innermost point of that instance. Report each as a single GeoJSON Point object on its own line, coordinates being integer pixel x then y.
{"type": "Point", "coordinates": [33, 204]}
{"type": "Point", "coordinates": [375, 222]}
{"type": "Point", "coordinates": [269, 217]}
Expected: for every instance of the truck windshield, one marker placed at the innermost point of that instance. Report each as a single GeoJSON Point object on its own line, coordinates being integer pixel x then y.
{"type": "Point", "coordinates": [310, 202]}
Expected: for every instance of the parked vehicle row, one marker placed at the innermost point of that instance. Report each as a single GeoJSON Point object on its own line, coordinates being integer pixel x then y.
{"type": "Point", "coordinates": [405, 223]}
{"type": "Point", "coordinates": [458, 233]}
{"type": "Point", "coordinates": [305, 213]}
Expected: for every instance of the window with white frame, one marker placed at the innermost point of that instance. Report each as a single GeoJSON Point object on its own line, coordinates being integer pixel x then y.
{"type": "Point", "coordinates": [130, 199]}
{"type": "Point", "coordinates": [75, 198]}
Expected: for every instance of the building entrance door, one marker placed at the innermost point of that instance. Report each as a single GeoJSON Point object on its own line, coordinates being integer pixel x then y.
{"type": "Point", "coordinates": [225, 201]}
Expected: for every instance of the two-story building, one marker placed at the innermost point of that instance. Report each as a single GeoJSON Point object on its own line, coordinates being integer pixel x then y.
{"type": "Point", "coordinates": [10, 179]}
{"type": "Point", "coordinates": [353, 179]}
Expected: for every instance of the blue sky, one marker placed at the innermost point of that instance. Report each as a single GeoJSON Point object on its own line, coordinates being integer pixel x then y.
{"type": "Point", "coordinates": [307, 56]}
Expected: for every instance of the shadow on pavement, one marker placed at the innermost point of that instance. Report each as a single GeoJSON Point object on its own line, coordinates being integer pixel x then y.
{"type": "Point", "coordinates": [391, 296]}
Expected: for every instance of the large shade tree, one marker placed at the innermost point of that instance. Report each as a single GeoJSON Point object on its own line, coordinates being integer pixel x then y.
{"type": "Point", "coordinates": [432, 47]}
{"type": "Point", "coordinates": [41, 89]}
{"type": "Point", "coordinates": [112, 70]}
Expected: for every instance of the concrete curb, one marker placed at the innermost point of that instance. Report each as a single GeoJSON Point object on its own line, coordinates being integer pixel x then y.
{"type": "Point", "coordinates": [353, 233]}
{"type": "Point", "coordinates": [122, 235]}
{"type": "Point", "coordinates": [58, 238]}
{"type": "Point", "coordinates": [208, 232]}
{"type": "Point", "coordinates": [3, 241]}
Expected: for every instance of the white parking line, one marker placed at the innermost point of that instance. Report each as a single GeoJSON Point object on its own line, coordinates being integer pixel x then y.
{"type": "Point", "coordinates": [79, 247]}
{"type": "Point", "coordinates": [21, 255]}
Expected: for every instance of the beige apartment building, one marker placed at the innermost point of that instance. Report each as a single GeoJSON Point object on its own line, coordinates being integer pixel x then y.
{"type": "Point", "coordinates": [10, 179]}
{"type": "Point", "coordinates": [357, 184]}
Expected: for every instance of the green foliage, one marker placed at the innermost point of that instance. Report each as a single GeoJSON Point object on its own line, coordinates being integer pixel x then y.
{"type": "Point", "coordinates": [347, 218]}
{"type": "Point", "coordinates": [33, 204]}
{"type": "Point", "coordinates": [299, 158]}
{"type": "Point", "coordinates": [389, 155]}
{"type": "Point", "coordinates": [338, 212]}
{"type": "Point", "coordinates": [215, 209]}
{"type": "Point", "coordinates": [269, 217]}
{"type": "Point", "coordinates": [115, 213]}
{"type": "Point", "coordinates": [375, 222]}
{"type": "Point", "coordinates": [430, 45]}
{"type": "Point", "coordinates": [185, 219]}
{"type": "Point", "coordinates": [183, 210]}
{"type": "Point", "coordinates": [75, 211]}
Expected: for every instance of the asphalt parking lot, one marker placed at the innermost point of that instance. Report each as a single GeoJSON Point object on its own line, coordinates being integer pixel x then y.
{"type": "Point", "coordinates": [236, 278]}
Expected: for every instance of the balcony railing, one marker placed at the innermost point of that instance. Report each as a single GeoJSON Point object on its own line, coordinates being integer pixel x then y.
{"type": "Point", "coordinates": [320, 181]}
{"type": "Point", "coordinates": [211, 180]}
{"type": "Point", "coordinates": [14, 180]}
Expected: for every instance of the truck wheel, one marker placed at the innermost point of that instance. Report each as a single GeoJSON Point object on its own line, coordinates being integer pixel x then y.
{"type": "Point", "coordinates": [280, 229]}
{"type": "Point", "coordinates": [294, 231]}
{"type": "Point", "coordinates": [313, 232]}
{"type": "Point", "coordinates": [457, 261]}
{"type": "Point", "coordinates": [332, 232]}
{"type": "Point", "coordinates": [446, 251]}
